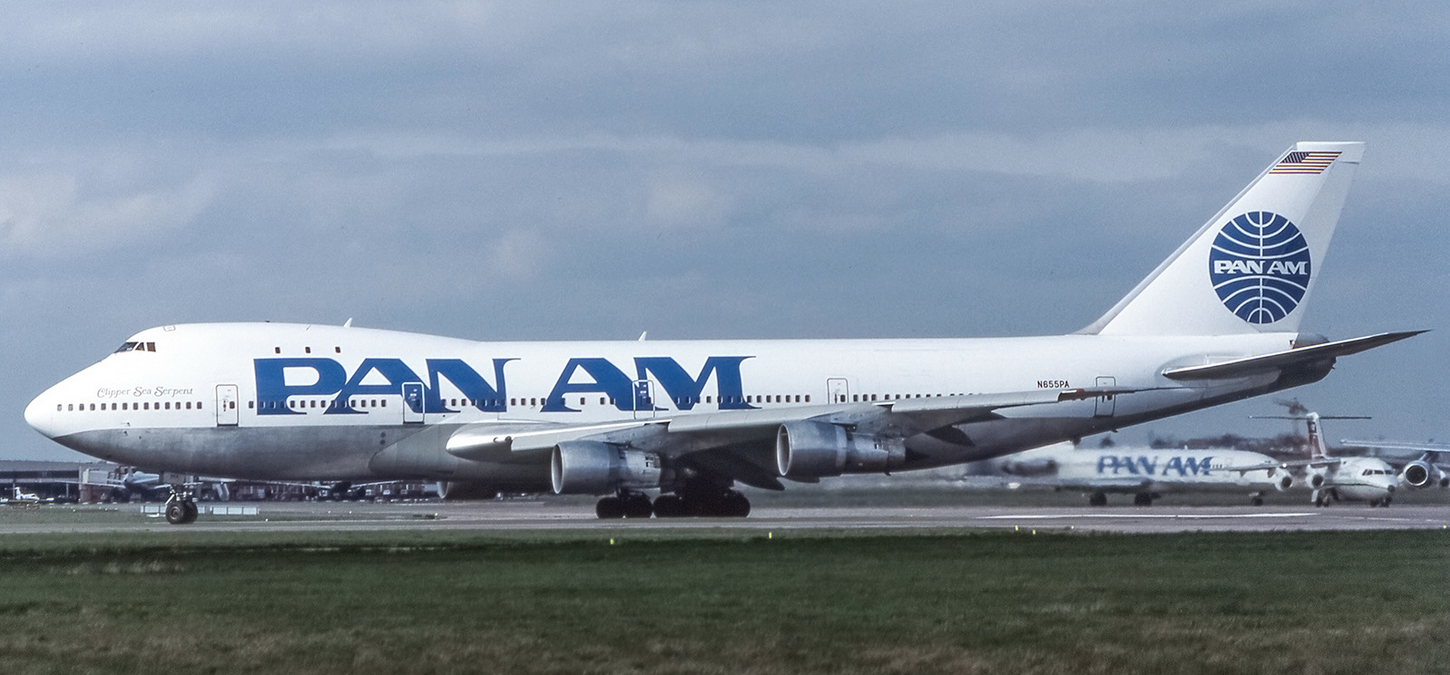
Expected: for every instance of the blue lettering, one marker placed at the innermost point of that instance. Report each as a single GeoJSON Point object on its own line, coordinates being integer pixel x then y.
{"type": "Point", "coordinates": [393, 370]}
{"type": "Point", "coordinates": [386, 376]}
{"type": "Point", "coordinates": [1105, 461]}
{"type": "Point", "coordinates": [273, 390]}
{"type": "Point", "coordinates": [469, 382]}
{"type": "Point", "coordinates": [685, 391]}
{"type": "Point", "coordinates": [1174, 463]}
{"type": "Point", "coordinates": [1133, 465]}
{"type": "Point", "coordinates": [1201, 467]}
{"type": "Point", "coordinates": [607, 380]}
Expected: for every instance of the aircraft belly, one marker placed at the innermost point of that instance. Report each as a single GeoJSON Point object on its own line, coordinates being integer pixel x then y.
{"type": "Point", "coordinates": [278, 453]}
{"type": "Point", "coordinates": [1359, 491]}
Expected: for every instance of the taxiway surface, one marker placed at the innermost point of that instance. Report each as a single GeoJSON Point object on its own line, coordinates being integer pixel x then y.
{"type": "Point", "coordinates": [544, 515]}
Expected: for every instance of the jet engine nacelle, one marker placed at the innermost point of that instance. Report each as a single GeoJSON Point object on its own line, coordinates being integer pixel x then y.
{"type": "Point", "coordinates": [594, 468]}
{"type": "Point", "coordinates": [1283, 479]}
{"type": "Point", "coordinates": [1314, 478]}
{"type": "Point", "coordinates": [817, 449]}
{"type": "Point", "coordinates": [1421, 474]}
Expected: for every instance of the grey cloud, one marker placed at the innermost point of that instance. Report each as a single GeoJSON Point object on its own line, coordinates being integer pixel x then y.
{"type": "Point", "coordinates": [710, 169]}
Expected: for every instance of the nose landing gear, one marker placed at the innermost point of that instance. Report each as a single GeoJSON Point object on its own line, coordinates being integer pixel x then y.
{"type": "Point", "coordinates": [181, 505]}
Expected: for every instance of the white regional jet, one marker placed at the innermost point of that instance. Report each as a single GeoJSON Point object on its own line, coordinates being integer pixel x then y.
{"type": "Point", "coordinates": [1218, 321]}
{"type": "Point", "coordinates": [1144, 473]}
{"type": "Point", "coordinates": [1331, 479]}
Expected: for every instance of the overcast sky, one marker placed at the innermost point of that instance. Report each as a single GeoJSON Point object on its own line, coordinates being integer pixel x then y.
{"type": "Point", "coordinates": [695, 169]}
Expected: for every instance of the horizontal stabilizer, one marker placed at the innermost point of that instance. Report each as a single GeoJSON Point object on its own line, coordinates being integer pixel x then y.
{"type": "Point", "coordinates": [1255, 365]}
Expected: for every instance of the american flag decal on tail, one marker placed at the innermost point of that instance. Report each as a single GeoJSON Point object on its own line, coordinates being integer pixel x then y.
{"type": "Point", "coordinates": [1304, 163]}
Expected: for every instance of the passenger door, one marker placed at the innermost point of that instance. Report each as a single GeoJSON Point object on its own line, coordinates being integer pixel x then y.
{"type": "Point", "coordinates": [413, 403]}
{"type": "Point", "coordinates": [227, 414]}
{"type": "Point", "coordinates": [1106, 404]}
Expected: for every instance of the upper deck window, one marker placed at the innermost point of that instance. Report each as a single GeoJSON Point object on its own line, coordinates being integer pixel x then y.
{"type": "Point", "coordinates": [136, 347]}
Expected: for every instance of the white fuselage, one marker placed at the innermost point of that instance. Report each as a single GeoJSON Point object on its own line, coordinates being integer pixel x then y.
{"type": "Point", "coordinates": [1143, 470]}
{"type": "Point", "coordinates": [283, 401]}
{"type": "Point", "coordinates": [1361, 479]}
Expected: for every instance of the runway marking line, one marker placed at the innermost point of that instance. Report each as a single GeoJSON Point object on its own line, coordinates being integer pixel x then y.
{"type": "Point", "coordinates": [1164, 516]}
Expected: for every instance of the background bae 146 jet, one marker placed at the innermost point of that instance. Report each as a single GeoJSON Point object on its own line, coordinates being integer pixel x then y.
{"type": "Point", "coordinates": [1217, 321]}
{"type": "Point", "coordinates": [1332, 479]}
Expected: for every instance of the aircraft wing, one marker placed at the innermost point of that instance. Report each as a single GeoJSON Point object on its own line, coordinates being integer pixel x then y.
{"type": "Point", "coordinates": [907, 416]}
{"type": "Point", "coordinates": [1431, 452]}
{"type": "Point", "coordinates": [1398, 445]}
{"type": "Point", "coordinates": [736, 433]}
{"type": "Point", "coordinates": [1261, 466]}
{"type": "Point", "coordinates": [493, 441]}
{"type": "Point", "coordinates": [1310, 463]}
{"type": "Point", "coordinates": [1254, 365]}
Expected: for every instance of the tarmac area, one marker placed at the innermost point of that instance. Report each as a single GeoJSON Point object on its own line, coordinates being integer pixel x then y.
{"type": "Point", "coordinates": [549, 515]}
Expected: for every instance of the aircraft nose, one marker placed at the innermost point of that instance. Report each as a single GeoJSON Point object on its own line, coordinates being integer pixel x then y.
{"type": "Point", "coordinates": [39, 415]}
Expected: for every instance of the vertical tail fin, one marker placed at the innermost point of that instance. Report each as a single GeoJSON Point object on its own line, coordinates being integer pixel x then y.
{"type": "Point", "coordinates": [1317, 450]}
{"type": "Point", "coordinates": [1252, 266]}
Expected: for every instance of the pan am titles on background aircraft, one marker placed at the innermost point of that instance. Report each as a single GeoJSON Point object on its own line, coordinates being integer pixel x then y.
{"type": "Point", "coordinates": [1218, 321]}
{"type": "Point", "coordinates": [1145, 473]}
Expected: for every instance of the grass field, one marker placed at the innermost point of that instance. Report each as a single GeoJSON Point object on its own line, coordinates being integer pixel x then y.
{"type": "Point", "coordinates": [441, 602]}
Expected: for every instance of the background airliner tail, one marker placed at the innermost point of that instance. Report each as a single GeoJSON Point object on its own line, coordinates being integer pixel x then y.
{"type": "Point", "coordinates": [1252, 266]}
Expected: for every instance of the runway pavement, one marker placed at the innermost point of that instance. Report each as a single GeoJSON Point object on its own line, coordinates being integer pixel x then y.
{"type": "Point", "coordinates": [524, 515]}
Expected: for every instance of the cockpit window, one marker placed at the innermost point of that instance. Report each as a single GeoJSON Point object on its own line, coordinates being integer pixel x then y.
{"type": "Point", "coordinates": [137, 347]}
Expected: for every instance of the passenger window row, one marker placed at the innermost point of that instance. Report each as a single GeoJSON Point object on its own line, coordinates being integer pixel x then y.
{"type": "Point", "coordinates": [679, 401]}
{"type": "Point", "coordinates": [144, 405]}
{"type": "Point", "coordinates": [298, 404]}
{"type": "Point", "coordinates": [867, 398]}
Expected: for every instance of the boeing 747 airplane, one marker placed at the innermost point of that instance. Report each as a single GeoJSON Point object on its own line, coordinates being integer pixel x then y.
{"type": "Point", "coordinates": [1218, 321]}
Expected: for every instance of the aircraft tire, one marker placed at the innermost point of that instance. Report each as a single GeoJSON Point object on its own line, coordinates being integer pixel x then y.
{"type": "Point", "coordinates": [176, 513]}
{"type": "Point", "coordinates": [637, 505]}
{"type": "Point", "coordinates": [191, 511]}
{"type": "Point", "coordinates": [1257, 501]}
{"type": "Point", "coordinates": [735, 505]}
{"type": "Point", "coordinates": [669, 506]}
{"type": "Point", "coordinates": [609, 508]}
{"type": "Point", "coordinates": [1142, 499]}
{"type": "Point", "coordinates": [1097, 499]}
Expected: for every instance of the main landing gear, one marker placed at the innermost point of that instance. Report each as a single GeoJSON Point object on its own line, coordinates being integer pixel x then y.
{"type": "Point", "coordinates": [627, 504]}
{"type": "Point", "coordinates": [693, 500]}
{"type": "Point", "coordinates": [181, 506]}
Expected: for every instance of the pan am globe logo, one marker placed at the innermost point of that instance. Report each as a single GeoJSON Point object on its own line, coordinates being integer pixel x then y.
{"type": "Point", "coordinates": [1259, 266]}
